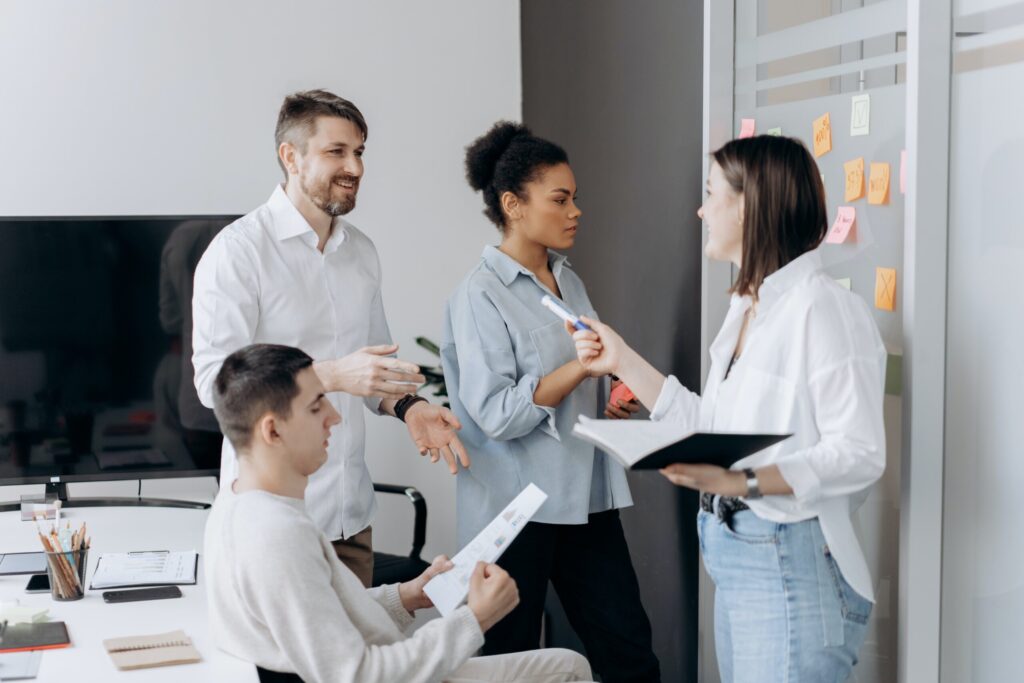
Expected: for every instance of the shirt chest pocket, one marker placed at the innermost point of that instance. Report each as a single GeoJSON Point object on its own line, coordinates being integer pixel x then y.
{"type": "Point", "coordinates": [758, 401]}
{"type": "Point", "coordinates": [552, 346]}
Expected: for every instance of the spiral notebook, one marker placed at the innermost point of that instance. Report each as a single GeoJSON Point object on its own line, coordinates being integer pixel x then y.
{"type": "Point", "coordinates": [143, 652]}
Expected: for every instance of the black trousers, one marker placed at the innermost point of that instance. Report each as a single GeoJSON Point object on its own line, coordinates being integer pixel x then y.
{"type": "Point", "coordinates": [590, 569]}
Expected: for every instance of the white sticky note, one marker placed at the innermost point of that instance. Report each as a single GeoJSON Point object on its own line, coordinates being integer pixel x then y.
{"type": "Point", "coordinates": [860, 115]}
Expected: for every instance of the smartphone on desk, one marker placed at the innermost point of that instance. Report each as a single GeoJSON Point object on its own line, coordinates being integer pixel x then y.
{"type": "Point", "coordinates": [152, 593]}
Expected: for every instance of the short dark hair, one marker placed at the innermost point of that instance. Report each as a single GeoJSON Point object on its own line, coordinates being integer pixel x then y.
{"type": "Point", "coordinates": [296, 121]}
{"type": "Point", "coordinates": [506, 158]}
{"type": "Point", "coordinates": [253, 381]}
{"type": "Point", "coordinates": [784, 212]}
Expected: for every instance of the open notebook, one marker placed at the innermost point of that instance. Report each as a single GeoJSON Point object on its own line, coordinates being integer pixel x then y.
{"type": "Point", "coordinates": [142, 652]}
{"type": "Point", "coordinates": [646, 445]}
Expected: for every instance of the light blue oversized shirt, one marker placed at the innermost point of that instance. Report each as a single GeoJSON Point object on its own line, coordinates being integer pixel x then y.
{"type": "Point", "coordinates": [498, 342]}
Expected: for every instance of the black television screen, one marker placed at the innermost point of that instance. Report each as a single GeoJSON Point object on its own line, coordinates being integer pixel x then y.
{"type": "Point", "coordinates": [96, 378]}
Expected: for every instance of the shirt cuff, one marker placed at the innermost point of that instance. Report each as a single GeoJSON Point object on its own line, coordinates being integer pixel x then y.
{"type": "Point", "coordinates": [666, 399]}
{"type": "Point", "coordinates": [392, 602]}
{"type": "Point", "coordinates": [527, 387]}
{"type": "Point", "coordinates": [798, 473]}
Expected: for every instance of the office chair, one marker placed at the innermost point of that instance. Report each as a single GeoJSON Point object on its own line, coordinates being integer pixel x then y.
{"type": "Point", "coordinates": [399, 568]}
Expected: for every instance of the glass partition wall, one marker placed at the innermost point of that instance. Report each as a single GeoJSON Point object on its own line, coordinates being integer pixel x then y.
{"type": "Point", "coordinates": [983, 540]}
{"type": "Point", "coordinates": [794, 63]}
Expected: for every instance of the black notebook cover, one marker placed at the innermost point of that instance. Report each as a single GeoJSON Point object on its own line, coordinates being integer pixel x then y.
{"type": "Point", "coordinates": [42, 635]}
{"type": "Point", "coordinates": [708, 447]}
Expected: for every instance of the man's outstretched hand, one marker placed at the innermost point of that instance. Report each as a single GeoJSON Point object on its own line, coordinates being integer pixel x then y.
{"type": "Point", "coordinates": [432, 428]}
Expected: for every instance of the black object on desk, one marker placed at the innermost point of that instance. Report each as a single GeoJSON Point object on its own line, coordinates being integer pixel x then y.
{"type": "Point", "coordinates": [44, 635]}
{"type": "Point", "coordinates": [154, 593]}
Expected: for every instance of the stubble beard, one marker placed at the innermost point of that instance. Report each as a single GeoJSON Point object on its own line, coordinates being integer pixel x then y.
{"type": "Point", "coordinates": [319, 192]}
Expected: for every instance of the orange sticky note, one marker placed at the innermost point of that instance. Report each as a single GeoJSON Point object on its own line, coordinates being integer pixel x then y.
{"type": "Point", "coordinates": [747, 128]}
{"type": "Point", "coordinates": [845, 226]}
{"type": "Point", "coordinates": [854, 179]}
{"type": "Point", "coordinates": [903, 171]}
{"type": "Point", "coordinates": [878, 183]}
{"type": "Point", "coordinates": [885, 289]}
{"type": "Point", "coordinates": [822, 135]}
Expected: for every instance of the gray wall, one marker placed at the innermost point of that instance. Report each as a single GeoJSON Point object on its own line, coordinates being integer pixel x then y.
{"type": "Point", "coordinates": [619, 86]}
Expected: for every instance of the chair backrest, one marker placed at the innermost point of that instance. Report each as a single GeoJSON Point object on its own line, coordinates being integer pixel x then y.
{"type": "Point", "coordinates": [267, 676]}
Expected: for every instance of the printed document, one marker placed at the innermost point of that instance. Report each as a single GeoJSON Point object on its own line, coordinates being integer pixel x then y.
{"type": "Point", "coordinates": [449, 590]}
{"type": "Point", "coordinates": [148, 568]}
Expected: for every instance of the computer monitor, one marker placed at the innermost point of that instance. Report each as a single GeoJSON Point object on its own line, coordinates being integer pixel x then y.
{"type": "Point", "coordinates": [96, 378]}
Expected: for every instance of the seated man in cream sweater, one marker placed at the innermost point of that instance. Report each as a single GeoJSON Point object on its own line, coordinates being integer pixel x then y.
{"type": "Point", "coordinates": [278, 595]}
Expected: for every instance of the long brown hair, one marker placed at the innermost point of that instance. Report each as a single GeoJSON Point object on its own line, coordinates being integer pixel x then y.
{"type": "Point", "coordinates": [784, 211]}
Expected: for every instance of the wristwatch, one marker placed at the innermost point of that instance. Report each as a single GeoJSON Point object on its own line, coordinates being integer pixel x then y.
{"type": "Point", "coordinates": [753, 490]}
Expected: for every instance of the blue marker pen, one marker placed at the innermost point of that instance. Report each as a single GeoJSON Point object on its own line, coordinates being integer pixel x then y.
{"type": "Point", "coordinates": [564, 313]}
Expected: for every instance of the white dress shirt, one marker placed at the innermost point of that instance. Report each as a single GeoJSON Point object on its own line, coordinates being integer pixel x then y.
{"type": "Point", "coordinates": [262, 280]}
{"type": "Point", "coordinates": [813, 365]}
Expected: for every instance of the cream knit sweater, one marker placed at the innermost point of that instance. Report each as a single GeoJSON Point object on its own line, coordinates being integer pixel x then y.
{"type": "Point", "coordinates": [279, 597]}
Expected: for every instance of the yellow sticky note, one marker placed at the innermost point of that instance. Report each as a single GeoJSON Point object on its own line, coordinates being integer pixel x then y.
{"type": "Point", "coordinates": [854, 179]}
{"type": "Point", "coordinates": [822, 135]}
{"type": "Point", "coordinates": [878, 183]}
{"type": "Point", "coordinates": [885, 289]}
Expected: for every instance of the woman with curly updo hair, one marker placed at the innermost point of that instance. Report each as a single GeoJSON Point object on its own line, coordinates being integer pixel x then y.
{"type": "Point", "coordinates": [517, 387]}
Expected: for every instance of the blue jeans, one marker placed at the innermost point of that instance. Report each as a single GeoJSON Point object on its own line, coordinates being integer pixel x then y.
{"type": "Point", "coordinates": [783, 611]}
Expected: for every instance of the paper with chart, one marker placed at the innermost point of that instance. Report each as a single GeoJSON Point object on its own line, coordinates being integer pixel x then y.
{"type": "Point", "coordinates": [147, 568]}
{"type": "Point", "coordinates": [447, 591]}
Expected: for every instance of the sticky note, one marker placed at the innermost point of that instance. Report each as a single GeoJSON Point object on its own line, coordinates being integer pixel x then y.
{"type": "Point", "coordinates": [894, 374]}
{"type": "Point", "coordinates": [854, 179]}
{"type": "Point", "coordinates": [885, 289]}
{"type": "Point", "coordinates": [845, 283]}
{"type": "Point", "coordinates": [878, 183]}
{"type": "Point", "coordinates": [843, 228]}
{"type": "Point", "coordinates": [903, 171]}
{"type": "Point", "coordinates": [777, 132]}
{"type": "Point", "coordinates": [860, 115]}
{"type": "Point", "coordinates": [747, 128]}
{"type": "Point", "coordinates": [822, 135]}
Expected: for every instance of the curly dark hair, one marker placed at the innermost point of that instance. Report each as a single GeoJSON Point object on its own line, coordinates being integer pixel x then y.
{"type": "Point", "coordinates": [505, 159]}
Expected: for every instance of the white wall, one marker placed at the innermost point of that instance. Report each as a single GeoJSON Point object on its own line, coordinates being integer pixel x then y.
{"type": "Point", "coordinates": [119, 107]}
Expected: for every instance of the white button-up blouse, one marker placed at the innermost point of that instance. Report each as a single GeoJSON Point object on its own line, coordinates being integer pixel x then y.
{"type": "Point", "coordinates": [813, 365]}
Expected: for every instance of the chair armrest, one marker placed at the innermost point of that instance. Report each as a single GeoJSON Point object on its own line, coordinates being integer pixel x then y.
{"type": "Point", "coordinates": [419, 532]}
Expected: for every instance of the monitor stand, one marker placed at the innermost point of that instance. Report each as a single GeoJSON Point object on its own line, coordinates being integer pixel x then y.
{"type": "Point", "coordinates": [59, 491]}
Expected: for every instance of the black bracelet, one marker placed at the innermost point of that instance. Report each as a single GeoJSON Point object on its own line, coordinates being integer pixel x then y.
{"type": "Point", "coordinates": [403, 404]}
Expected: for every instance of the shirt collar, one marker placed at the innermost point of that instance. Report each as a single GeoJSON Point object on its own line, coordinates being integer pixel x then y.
{"type": "Point", "coordinates": [507, 268]}
{"type": "Point", "coordinates": [288, 222]}
{"type": "Point", "coordinates": [786, 277]}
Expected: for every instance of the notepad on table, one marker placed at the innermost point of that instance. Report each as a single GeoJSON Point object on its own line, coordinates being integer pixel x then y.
{"type": "Point", "coordinates": [143, 652]}
{"type": "Point", "coordinates": [147, 568]}
{"type": "Point", "coordinates": [647, 445]}
{"type": "Point", "coordinates": [45, 635]}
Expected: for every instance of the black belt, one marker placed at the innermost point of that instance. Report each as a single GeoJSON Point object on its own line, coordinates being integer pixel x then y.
{"type": "Point", "coordinates": [727, 505]}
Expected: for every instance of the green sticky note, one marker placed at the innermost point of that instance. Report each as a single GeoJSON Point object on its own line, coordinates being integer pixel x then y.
{"type": "Point", "coordinates": [894, 374]}
{"type": "Point", "coordinates": [777, 132]}
{"type": "Point", "coordinates": [844, 282]}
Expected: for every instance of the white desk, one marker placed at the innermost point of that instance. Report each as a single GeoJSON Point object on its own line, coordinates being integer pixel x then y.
{"type": "Point", "coordinates": [90, 620]}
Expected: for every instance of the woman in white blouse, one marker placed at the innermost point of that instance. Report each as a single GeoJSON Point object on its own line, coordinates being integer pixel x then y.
{"type": "Point", "coordinates": [796, 354]}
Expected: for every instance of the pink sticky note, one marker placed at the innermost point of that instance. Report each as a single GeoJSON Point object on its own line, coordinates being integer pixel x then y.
{"type": "Point", "coordinates": [903, 171]}
{"type": "Point", "coordinates": [747, 128]}
{"type": "Point", "coordinates": [843, 228]}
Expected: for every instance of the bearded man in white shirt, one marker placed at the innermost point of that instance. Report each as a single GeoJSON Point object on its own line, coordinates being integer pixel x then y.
{"type": "Point", "coordinates": [295, 272]}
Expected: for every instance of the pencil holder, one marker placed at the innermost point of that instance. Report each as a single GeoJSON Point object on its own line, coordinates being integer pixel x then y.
{"type": "Point", "coordinates": [67, 574]}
